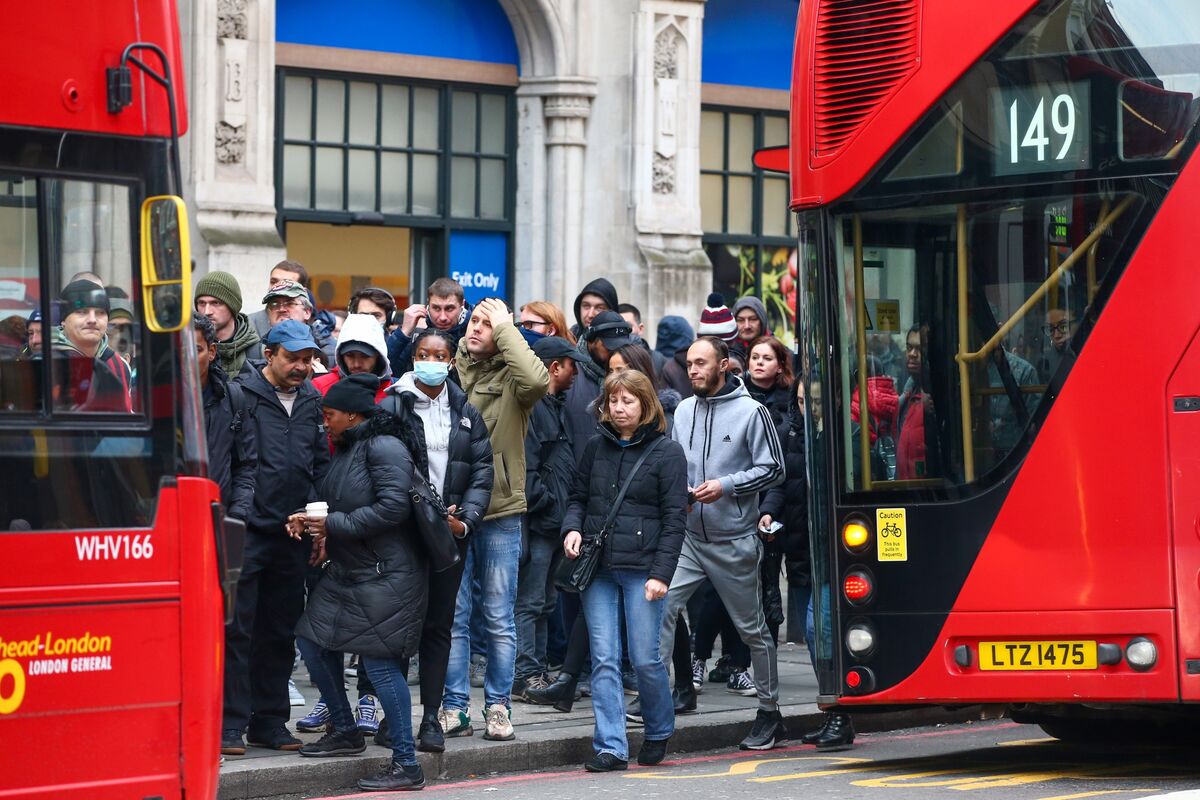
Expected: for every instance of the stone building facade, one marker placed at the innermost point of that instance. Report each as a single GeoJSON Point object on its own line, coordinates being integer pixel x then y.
{"type": "Point", "coordinates": [525, 146]}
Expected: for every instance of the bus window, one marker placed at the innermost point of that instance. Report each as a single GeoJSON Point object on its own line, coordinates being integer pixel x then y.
{"type": "Point", "coordinates": [94, 343]}
{"type": "Point", "coordinates": [973, 296]}
{"type": "Point", "coordinates": [21, 325]}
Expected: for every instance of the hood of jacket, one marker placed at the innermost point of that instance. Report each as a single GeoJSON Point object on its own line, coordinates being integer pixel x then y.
{"type": "Point", "coordinates": [60, 341]}
{"type": "Point", "coordinates": [645, 433]}
{"type": "Point", "coordinates": [882, 403]}
{"type": "Point", "coordinates": [733, 388]}
{"type": "Point", "coordinates": [755, 305]}
{"type": "Point", "coordinates": [244, 337]}
{"type": "Point", "coordinates": [602, 287]}
{"type": "Point", "coordinates": [364, 329]}
{"type": "Point", "coordinates": [674, 334]}
{"type": "Point", "coordinates": [669, 399]}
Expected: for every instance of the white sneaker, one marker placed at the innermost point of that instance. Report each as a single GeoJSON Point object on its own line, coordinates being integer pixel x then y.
{"type": "Point", "coordinates": [455, 722]}
{"type": "Point", "coordinates": [499, 724]}
{"type": "Point", "coordinates": [294, 695]}
{"type": "Point", "coordinates": [699, 667]}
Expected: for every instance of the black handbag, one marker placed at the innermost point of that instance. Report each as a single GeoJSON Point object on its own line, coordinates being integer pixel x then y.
{"type": "Point", "coordinates": [429, 514]}
{"type": "Point", "coordinates": [575, 574]}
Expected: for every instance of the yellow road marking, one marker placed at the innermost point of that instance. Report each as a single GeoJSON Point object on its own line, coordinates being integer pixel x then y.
{"type": "Point", "coordinates": [749, 767]}
{"type": "Point", "coordinates": [1023, 742]}
{"type": "Point", "coordinates": [1081, 795]}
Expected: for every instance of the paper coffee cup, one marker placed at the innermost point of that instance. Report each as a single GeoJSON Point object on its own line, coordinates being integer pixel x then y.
{"type": "Point", "coordinates": [317, 510]}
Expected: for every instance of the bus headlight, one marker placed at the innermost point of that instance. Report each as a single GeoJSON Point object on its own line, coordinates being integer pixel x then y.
{"type": "Point", "coordinates": [1141, 654]}
{"type": "Point", "coordinates": [860, 640]}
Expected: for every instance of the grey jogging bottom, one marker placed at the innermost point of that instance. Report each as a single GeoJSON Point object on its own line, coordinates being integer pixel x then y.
{"type": "Point", "coordinates": [732, 566]}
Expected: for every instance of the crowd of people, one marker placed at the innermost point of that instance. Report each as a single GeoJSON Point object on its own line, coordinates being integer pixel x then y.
{"type": "Point", "coordinates": [534, 447]}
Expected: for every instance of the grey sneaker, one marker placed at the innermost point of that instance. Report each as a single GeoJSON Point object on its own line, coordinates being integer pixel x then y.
{"type": "Point", "coordinates": [414, 671]}
{"type": "Point", "coordinates": [499, 724]}
{"type": "Point", "coordinates": [477, 670]}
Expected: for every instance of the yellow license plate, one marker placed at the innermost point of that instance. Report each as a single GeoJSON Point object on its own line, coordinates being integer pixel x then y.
{"type": "Point", "coordinates": [1037, 655]}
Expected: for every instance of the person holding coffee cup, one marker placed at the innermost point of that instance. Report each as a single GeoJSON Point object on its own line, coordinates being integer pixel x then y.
{"type": "Point", "coordinates": [372, 598]}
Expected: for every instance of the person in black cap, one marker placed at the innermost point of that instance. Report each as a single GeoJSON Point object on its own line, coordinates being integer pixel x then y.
{"type": "Point", "coordinates": [372, 598]}
{"type": "Point", "coordinates": [607, 332]}
{"type": "Point", "coordinates": [89, 375]}
{"type": "Point", "coordinates": [293, 456]}
{"type": "Point", "coordinates": [549, 471]}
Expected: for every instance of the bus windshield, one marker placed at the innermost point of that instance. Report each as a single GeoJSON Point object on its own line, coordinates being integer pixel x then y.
{"type": "Point", "coordinates": [969, 271]}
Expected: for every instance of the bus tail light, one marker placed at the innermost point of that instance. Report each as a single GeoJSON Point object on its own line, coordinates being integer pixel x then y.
{"type": "Point", "coordinates": [856, 535]}
{"type": "Point", "coordinates": [858, 587]}
{"type": "Point", "coordinates": [860, 680]}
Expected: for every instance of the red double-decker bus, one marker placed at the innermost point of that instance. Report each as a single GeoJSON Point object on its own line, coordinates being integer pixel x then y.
{"type": "Point", "coordinates": [110, 590]}
{"type": "Point", "coordinates": [997, 203]}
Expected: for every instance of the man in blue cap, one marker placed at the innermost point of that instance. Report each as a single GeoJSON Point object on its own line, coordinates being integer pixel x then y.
{"type": "Point", "coordinates": [293, 455]}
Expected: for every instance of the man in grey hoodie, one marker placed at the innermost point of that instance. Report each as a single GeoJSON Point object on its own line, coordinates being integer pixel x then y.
{"type": "Point", "coordinates": [733, 454]}
{"type": "Point", "coordinates": [750, 316]}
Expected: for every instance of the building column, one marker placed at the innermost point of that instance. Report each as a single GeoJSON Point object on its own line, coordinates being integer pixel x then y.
{"type": "Point", "coordinates": [231, 154]}
{"type": "Point", "coordinates": [552, 203]}
{"type": "Point", "coordinates": [676, 274]}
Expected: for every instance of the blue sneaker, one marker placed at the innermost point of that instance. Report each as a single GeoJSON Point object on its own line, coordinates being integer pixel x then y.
{"type": "Point", "coordinates": [367, 715]}
{"type": "Point", "coordinates": [317, 719]}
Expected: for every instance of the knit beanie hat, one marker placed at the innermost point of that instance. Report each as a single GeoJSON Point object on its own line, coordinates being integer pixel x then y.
{"type": "Point", "coordinates": [354, 394]}
{"type": "Point", "coordinates": [717, 320]}
{"type": "Point", "coordinates": [222, 286]}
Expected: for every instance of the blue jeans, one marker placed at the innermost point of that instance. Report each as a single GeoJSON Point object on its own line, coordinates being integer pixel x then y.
{"type": "Point", "coordinates": [325, 668]}
{"type": "Point", "coordinates": [643, 620]}
{"type": "Point", "coordinates": [494, 553]}
{"type": "Point", "coordinates": [392, 690]}
{"type": "Point", "coordinates": [536, 599]}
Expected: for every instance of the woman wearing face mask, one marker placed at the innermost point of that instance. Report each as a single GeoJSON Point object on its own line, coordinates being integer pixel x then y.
{"type": "Point", "coordinates": [451, 448]}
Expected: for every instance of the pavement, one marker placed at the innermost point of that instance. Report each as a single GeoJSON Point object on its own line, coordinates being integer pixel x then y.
{"type": "Point", "coordinates": [545, 738]}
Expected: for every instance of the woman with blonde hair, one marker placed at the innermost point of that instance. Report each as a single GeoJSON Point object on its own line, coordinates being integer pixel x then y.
{"type": "Point", "coordinates": [540, 318]}
{"type": "Point", "coordinates": [628, 499]}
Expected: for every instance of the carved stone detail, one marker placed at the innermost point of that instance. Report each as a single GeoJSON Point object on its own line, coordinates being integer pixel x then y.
{"type": "Point", "coordinates": [231, 143]}
{"type": "Point", "coordinates": [231, 19]}
{"type": "Point", "coordinates": [666, 53]}
{"type": "Point", "coordinates": [664, 175]}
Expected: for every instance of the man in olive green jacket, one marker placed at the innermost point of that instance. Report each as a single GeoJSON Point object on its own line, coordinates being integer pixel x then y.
{"type": "Point", "coordinates": [504, 380]}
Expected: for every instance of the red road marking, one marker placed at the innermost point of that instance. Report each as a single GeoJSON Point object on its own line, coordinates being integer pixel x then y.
{"type": "Point", "coordinates": [576, 774]}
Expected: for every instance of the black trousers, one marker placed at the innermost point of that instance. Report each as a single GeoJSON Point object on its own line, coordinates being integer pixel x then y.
{"type": "Point", "coordinates": [435, 633]}
{"type": "Point", "coordinates": [260, 642]}
{"type": "Point", "coordinates": [713, 620]}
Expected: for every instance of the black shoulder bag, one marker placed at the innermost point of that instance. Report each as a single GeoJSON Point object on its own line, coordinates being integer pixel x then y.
{"type": "Point", "coordinates": [575, 574]}
{"type": "Point", "coordinates": [429, 514]}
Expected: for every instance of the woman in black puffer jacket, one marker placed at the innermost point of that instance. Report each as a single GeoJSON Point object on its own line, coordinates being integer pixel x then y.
{"type": "Point", "coordinates": [372, 598]}
{"type": "Point", "coordinates": [636, 564]}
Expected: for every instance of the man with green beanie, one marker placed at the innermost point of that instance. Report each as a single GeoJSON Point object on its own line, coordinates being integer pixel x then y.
{"type": "Point", "coordinates": [219, 297]}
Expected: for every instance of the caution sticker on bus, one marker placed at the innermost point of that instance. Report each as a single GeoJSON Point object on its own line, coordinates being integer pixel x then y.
{"type": "Point", "coordinates": [1016, 656]}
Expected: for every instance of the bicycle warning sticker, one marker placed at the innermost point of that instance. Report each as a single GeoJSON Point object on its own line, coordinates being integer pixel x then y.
{"type": "Point", "coordinates": [892, 530]}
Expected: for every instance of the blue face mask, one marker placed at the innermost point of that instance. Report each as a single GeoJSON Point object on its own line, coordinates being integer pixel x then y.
{"type": "Point", "coordinates": [531, 337]}
{"type": "Point", "coordinates": [431, 373]}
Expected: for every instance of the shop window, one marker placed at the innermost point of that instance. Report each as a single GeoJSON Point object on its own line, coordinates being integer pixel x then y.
{"type": "Point", "coordinates": [748, 229]}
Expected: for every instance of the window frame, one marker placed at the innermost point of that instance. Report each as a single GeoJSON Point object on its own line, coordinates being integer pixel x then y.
{"type": "Point", "coordinates": [140, 420]}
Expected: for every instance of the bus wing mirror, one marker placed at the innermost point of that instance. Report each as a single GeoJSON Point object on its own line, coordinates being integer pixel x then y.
{"type": "Point", "coordinates": [772, 159]}
{"type": "Point", "coordinates": [166, 264]}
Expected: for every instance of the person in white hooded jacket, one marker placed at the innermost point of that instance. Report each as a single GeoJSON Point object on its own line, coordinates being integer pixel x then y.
{"type": "Point", "coordinates": [360, 348]}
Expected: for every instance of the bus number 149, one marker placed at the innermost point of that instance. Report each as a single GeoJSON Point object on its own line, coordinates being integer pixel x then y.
{"type": "Point", "coordinates": [1062, 120]}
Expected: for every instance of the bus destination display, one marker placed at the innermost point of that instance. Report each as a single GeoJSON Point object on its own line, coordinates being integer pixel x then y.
{"type": "Point", "coordinates": [1041, 128]}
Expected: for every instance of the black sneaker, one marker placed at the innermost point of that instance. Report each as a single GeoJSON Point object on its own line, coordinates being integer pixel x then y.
{"type": "Point", "coordinates": [278, 739]}
{"type": "Point", "coordinates": [232, 743]}
{"type": "Point", "coordinates": [336, 743]}
{"type": "Point", "coordinates": [382, 737]}
{"type": "Point", "coordinates": [652, 752]}
{"type": "Point", "coordinates": [429, 737]}
{"type": "Point", "coordinates": [605, 762]}
{"type": "Point", "coordinates": [767, 732]}
{"type": "Point", "coordinates": [721, 671]}
{"type": "Point", "coordinates": [395, 778]}
{"type": "Point", "coordinates": [684, 700]}
{"type": "Point", "coordinates": [629, 683]}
